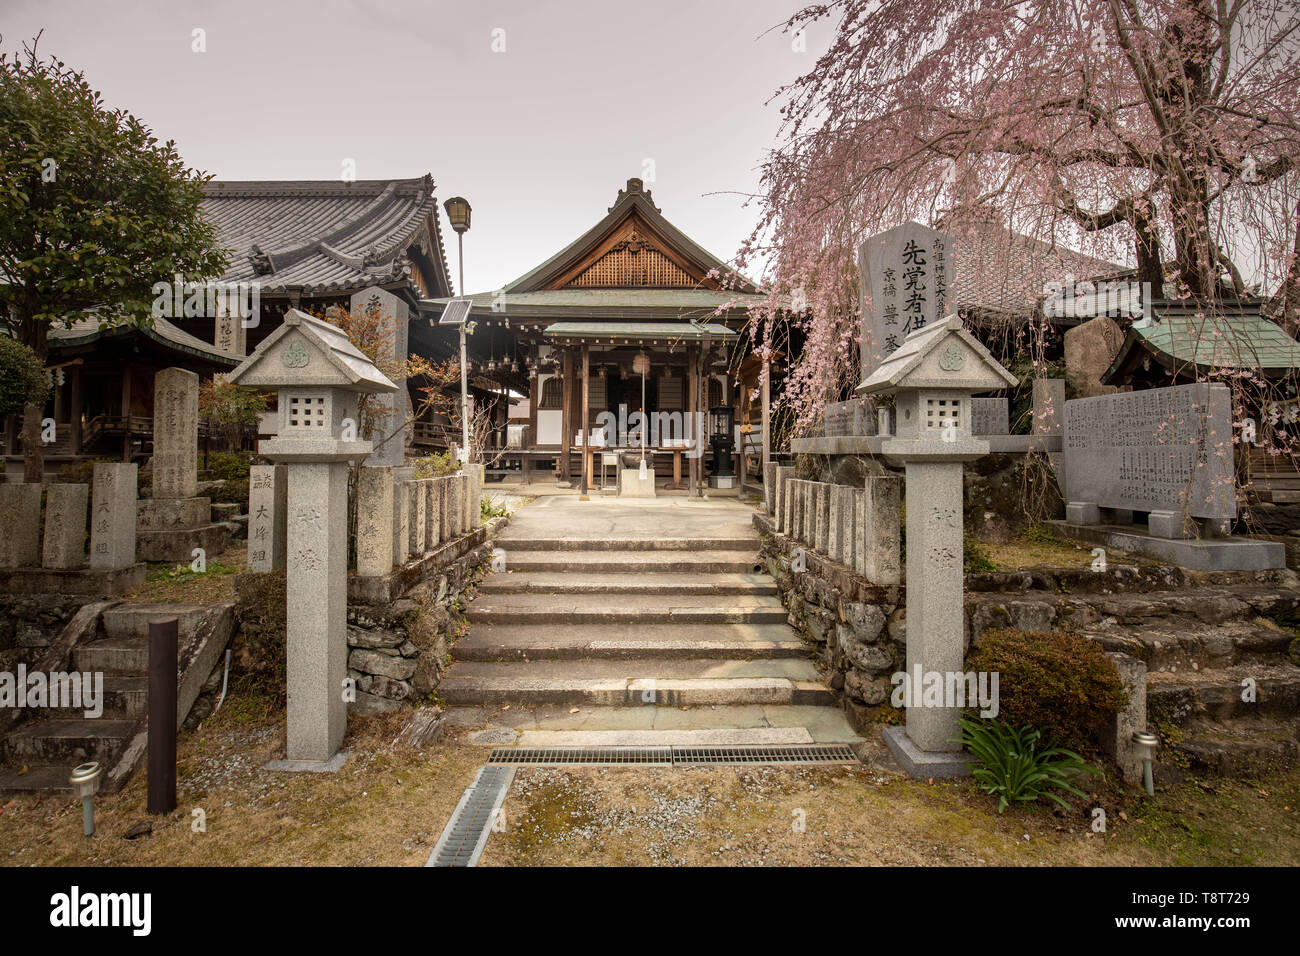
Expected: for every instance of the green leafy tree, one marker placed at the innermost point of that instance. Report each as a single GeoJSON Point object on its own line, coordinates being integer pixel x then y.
{"type": "Point", "coordinates": [93, 211]}
{"type": "Point", "coordinates": [23, 379]}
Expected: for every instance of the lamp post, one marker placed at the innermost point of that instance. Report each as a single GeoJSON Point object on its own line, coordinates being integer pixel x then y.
{"type": "Point", "coordinates": [458, 213]}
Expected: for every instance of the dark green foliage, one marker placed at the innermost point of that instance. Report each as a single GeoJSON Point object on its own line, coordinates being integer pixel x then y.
{"type": "Point", "coordinates": [96, 209]}
{"type": "Point", "coordinates": [1056, 680]}
{"type": "Point", "coordinates": [1011, 767]}
{"type": "Point", "coordinates": [23, 378]}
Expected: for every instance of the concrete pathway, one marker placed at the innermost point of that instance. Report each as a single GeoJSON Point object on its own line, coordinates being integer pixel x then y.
{"type": "Point", "coordinates": [636, 623]}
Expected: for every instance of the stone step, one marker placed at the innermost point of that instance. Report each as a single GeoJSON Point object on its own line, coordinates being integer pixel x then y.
{"type": "Point", "coordinates": [635, 682]}
{"type": "Point", "coordinates": [132, 620]}
{"type": "Point", "coordinates": [705, 561]}
{"type": "Point", "coordinates": [1177, 646]}
{"type": "Point", "coordinates": [526, 609]}
{"type": "Point", "coordinates": [1180, 698]}
{"type": "Point", "coordinates": [1240, 748]}
{"type": "Point", "coordinates": [37, 778]}
{"type": "Point", "coordinates": [491, 642]}
{"type": "Point", "coordinates": [651, 582]}
{"type": "Point", "coordinates": [497, 727]}
{"type": "Point", "coordinates": [125, 695]}
{"type": "Point", "coordinates": [747, 542]}
{"type": "Point", "coordinates": [130, 654]}
{"type": "Point", "coordinates": [68, 738]}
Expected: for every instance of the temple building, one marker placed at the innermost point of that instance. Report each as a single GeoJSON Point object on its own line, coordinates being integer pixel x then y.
{"type": "Point", "coordinates": [631, 317]}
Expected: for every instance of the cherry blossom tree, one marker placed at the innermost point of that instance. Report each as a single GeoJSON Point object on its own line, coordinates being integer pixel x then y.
{"type": "Point", "coordinates": [1161, 132]}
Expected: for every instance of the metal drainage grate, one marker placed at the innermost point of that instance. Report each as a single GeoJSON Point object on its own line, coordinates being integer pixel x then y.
{"type": "Point", "coordinates": [658, 756]}
{"type": "Point", "coordinates": [801, 753]}
{"type": "Point", "coordinates": [675, 756]}
{"type": "Point", "coordinates": [462, 842]}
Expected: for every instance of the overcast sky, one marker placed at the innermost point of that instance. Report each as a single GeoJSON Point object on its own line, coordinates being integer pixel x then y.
{"type": "Point", "coordinates": [539, 138]}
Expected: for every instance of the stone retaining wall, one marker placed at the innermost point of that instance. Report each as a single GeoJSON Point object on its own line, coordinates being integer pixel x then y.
{"type": "Point", "coordinates": [858, 629]}
{"type": "Point", "coordinates": [398, 650]}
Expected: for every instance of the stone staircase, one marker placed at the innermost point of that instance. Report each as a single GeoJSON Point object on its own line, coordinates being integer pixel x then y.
{"type": "Point", "coordinates": [38, 756]}
{"type": "Point", "coordinates": [1201, 641]}
{"type": "Point", "coordinates": [637, 640]}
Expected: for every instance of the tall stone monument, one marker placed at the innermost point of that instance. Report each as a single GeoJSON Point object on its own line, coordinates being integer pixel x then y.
{"type": "Point", "coordinates": [932, 377]}
{"type": "Point", "coordinates": [320, 376]}
{"type": "Point", "coordinates": [176, 520]}
{"type": "Point", "coordinates": [905, 275]}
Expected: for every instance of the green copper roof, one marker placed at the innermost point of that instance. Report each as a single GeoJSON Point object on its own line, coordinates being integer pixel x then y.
{"type": "Point", "coordinates": [1228, 341]}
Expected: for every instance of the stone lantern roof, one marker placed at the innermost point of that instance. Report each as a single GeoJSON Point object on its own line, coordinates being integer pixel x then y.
{"type": "Point", "coordinates": [943, 356]}
{"type": "Point", "coordinates": [309, 351]}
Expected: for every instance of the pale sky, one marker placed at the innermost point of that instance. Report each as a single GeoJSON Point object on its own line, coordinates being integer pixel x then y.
{"type": "Point", "coordinates": [539, 138]}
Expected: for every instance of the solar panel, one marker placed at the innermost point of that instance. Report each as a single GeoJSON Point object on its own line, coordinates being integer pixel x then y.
{"type": "Point", "coordinates": [456, 312]}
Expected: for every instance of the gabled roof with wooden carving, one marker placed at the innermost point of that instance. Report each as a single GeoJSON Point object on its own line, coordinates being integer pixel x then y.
{"type": "Point", "coordinates": [633, 247]}
{"type": "Point", "coordinates": [332, 237]}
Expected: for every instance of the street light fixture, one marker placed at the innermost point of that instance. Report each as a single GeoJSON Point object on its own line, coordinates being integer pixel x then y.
{"type": "Point", "coordinates": [458, 213]}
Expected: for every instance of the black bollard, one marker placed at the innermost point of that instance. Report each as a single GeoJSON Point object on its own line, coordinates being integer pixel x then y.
{"type": "Point", "coordinates": [162, 715]}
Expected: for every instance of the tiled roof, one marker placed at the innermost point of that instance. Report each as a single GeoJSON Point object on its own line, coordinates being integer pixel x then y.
{"type": "Point", "coordinates": [88, 330]}
{"type": "Point", "coordinates": [1005, 272]}
{"type": "Point", "coordinates": [1233, 337]}
{"type": "Point", "coordinates": [324, 237]}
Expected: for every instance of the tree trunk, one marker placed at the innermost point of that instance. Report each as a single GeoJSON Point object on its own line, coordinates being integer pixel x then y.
{"type": "Point", "coordinates": [33, 334]}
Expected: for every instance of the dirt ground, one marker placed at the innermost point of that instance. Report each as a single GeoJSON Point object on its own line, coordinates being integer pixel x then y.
{"type": "Point", "coordinates": [388, 805]}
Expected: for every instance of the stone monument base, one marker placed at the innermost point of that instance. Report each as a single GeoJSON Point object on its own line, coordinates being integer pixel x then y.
{"type": "Point", "coordinates": [81, 581]}
{"type": "Point", "coordinates": [922, 764]}
{"type": "Point", "coordinates": [332, 765]}
{"type": "Point", "coordinates": [722, 481]}
{"type": "Point", "coordinates": [169, 529]}
{"type": "Point", "coordinates": [178, 544]}
{"type": "Point", "coordinates": [1205, 554]}
{"type": "Point", "coordinates": [632, 485]}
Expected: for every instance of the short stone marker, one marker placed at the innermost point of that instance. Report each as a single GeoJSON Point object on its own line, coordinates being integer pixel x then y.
{"type": "Point", "coordinates": [882, 519]}
{"type": "Point", "coordinates": [374, 520]}
{"type": "Point", "coordinates": [20, 516]}
{"type": "Point", "coordinates": [418, 514]}
{"type": "Point", "coordinates": [268, 508]}
{"type": "Point", "coordinates": [113, 517]}
{"type": "Point", "coordinates": [66, 510]}
{"type": "Point", "coordinates": [989, 416]}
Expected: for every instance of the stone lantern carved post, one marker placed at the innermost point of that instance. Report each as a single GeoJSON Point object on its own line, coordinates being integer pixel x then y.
{"type": "Point", "coordinates": [932, 377]}
{"type": "Point", "coordinates": [320, 377]}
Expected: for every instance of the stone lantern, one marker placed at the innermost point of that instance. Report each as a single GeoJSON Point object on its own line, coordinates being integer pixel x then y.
{"type": "Point", "coordinates": [320, 377]}
{"type": "Point", "coordinates": [932, 377]}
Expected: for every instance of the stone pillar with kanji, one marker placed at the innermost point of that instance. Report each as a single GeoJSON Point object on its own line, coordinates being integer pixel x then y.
{"type": "Point", "coordinates": [319, 376]}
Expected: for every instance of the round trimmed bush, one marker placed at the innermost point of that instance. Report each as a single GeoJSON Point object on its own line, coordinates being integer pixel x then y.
{"type": "Point", "coordinates": [1061, 682]}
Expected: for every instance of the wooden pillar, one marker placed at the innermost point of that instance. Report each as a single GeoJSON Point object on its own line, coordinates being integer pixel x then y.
{"type": "Point", "coordinates": [692, 406]}
{"type": "Point", "coordinates": [534, 396]}
{"type": "Point", "coordinates": [767, 414]}
{"type": "Point", "coordinates": [586, 432]}
{"type": "Point", "coordinates": [126, 413]}
{"type": "Point", "coordinates": [77, 401]}
{"type": "Point", "coordinates": [566, 414]}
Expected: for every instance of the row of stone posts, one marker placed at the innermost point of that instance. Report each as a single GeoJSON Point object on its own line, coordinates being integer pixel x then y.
{"type": "Point", "coordinates": [398, 520]}
{"type": "Point", "coordinates": [855, 527]}
{"type": "Point", "coordinates": [112, 504]}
